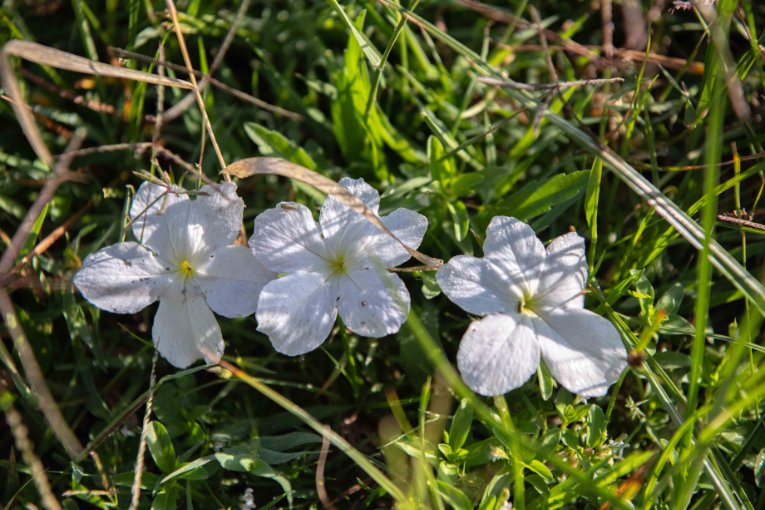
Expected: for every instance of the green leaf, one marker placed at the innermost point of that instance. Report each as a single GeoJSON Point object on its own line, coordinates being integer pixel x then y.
{"type": "Point", "coordinates": [166, 499]}
{"type": "Point", "coordinates": [197, 469]}
{"type": "Point", "coordinates": [535, 198]}
{"type": "Point", "coordinates": [441, 169]}
{"type": "Point", "coordinates": [248, 462]}
{"type": "Point", "coordinates": [542, 470]}
{"type": "Point", "coordinates": [546, 382]}
{"type": "Point", "coordinates": [30, 241]}
{"type": "Point", "coordinates": [430, 288]}
{"type": "Point", "coordinates": [497, 492]}
{"type": "Point", "coordinates": [452, 495]}
{"type": "Point", "coordinates": [645, 295]}
{"type": "Point", "coordinates": [592, 198]}
{"type": "Point", "coordinates": [670, 301]}
{"type": "Point", "coordinates": [160, 447]}
{"type": "Point", "coordinates": [363, 41]}
{"type": "Point", "coordinates": [273, 143]}
{"type": "Point", "coordinates": [596, 427]}
{"type": "Point", "coordinates": [670, 359]}
{"type": "Point", "coordinates": [759, 468]}
{"type": "Point", "coordinates": [465, 184]}
{"type": "Point", "coordinates": [460, 428]}
{"type": "Point", "coordinates": [460, 219]}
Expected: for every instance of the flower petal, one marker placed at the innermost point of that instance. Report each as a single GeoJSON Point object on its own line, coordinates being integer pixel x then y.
{"type": "Point", "coordinates": [221, 213]}
{"type": "Point", "coordinates": [124, 278]}
{"type": "Point", "coordinates": [339, 223]}
{"type": "Point", "coordinates": [408, 226]}
{"type": "Point", "coordinates": [513, 247]}
{"type": "Point", "coordinates": [497, 354]}
{"type": "Point", "coordinates": [149, 204]}
{"type": "Point", "coordinates": [297, 312]}
{"type": "Point", "coordinates": [287, 239]}
{"type": "Point", "coordinates": [179, 235]}
{"type": "Point", "coordinates": [583, 351]}
{"type": "Point", "coordinates": [564, 274]}
{"type": "Point", "coordinates": [185, 330]}
{"type": "Point", "coordinates": [231, 280]}
{"type": "Point", "coordinates": [474, 285]}
{"type": "Point", "coordinates": [373, 302]}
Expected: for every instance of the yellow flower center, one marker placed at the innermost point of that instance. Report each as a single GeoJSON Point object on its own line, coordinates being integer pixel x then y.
{"type": "Point", "coordinates": [338, 265]}
{"type": "Point", "coordinates": [185, 268]}
{"type": "Point", "coordinates": [526, 305]}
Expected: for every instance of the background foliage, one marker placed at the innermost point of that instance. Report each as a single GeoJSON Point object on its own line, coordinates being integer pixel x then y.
{"type": "Point", "coordinates": [393, 93]}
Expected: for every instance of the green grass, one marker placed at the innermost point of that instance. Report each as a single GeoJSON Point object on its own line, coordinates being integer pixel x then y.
{"type": "Point", "coordinates": [392, 92]}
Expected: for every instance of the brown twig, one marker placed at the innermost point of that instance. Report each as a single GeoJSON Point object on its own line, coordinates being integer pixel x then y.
{"type": "Point", "coordinates": [745, 221]}
{"type": "Point", "coordinates": [46, 243]}
{"type": "Point", "coordinates": [44, 55]}
{"type": "Point", "coordinates": [193, 80]}
{"type": "Point", "coordinates": [537, 87]}
{"type": "Point", "coordinates": [46, 402]}
{"type": "Point", "coordinates": [634, 25]}
{"type": "Point", "coordinates": [243, 96]}
{"type": "Point", "coordinates": [624, 54]}
{"type": "Point", "coordinates": [135, 490]}
{"type": "Point", "coordinates": [505, 17]}
{"type": "Point", "coordinates": [160, 106]}
{"type": "Point", "coordinates": [137, 147]}
{"type": "Point", "coordinates": [33, 372]}
{"type": "Point", "coordinates": [183, 105]}
{"type": "Point", "coordinates": [60, 175]}
{"type": "Point", "coordinates": [77, 99]}
{"type": "Point", "coordinates": [24, 444]}
{"type": "Point", "coordinates": [606, 13]}
{"type": "Point", "coordinates": [321, 489]}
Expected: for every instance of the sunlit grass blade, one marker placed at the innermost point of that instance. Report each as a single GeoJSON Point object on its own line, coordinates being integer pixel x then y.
{"type": "Point", "coordinates": [338, 441]}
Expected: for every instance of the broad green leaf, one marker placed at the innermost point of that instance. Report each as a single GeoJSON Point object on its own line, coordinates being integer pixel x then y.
{"type": "Point", "coordinates": [465, 184]}
{"type": "Point", "coordinates": [452, 495]}
{"type": "Point", "coordinates": [460, 219]}
{"type": "Point", "coordinates": [166, 498]}
{"type": "Point", "coordinates": [670, 300]}
{"type": "Point", "coordinates": [496, 493]}
{"type": "Point", "coordinates": [441, 168]}
{"type": "Point", "coordinates": [197, 469]}
{"type": "Point", "coordinates": [546, 382]}
{"type": "Point", "coordinates": [596, 427]}
{"type": "Point", "coordinates": [30, 241]}
{"type": "Point", "coordinates": [461, 423]}
{"type": "Point", "coordinates": [249, 463]}
{"type": "Point", "coordinates": [160, 447]}
{"type": "Point", "coordinates": [540, 469]}
{"type": "Point", "coordinates": [759, 468]}
{"type": "Point", "coordinates": [537, 198]}
{"type": "Point", "coordinates": [273, 143]}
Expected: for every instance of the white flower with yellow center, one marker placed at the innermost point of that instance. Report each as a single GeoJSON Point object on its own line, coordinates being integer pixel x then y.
{"type": "Point", "coordinates": [532, 302]}
{"type": "Point", "coordinates": [338, 266]}
{"type": "Point", "coordinates": [186, 261]}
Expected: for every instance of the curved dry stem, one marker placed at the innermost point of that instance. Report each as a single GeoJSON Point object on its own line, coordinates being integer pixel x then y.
{"type": "Point", "coordinates": [24, 444]}
{"type": "Point", "coordinates": [44, 55]}
{"type": "Point", "coordinates": [196, 89]}
{"type": "Point", "coordinates": [274, 166]}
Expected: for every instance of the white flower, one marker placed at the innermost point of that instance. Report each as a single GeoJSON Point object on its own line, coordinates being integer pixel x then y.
{"type": "Point", "coordinates": [533, 306]}
{"type": "Point", "coordinates": [187, 261]}
{"type": "Point", "coordinates": [336, 266]}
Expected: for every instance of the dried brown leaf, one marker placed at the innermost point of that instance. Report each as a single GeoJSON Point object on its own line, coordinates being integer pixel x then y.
{"type": "Point", "coordinates": [274, 166]}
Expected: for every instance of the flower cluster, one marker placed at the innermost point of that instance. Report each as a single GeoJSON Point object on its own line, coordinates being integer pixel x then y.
{"type": "Point", "coordinates": [298, 275]}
